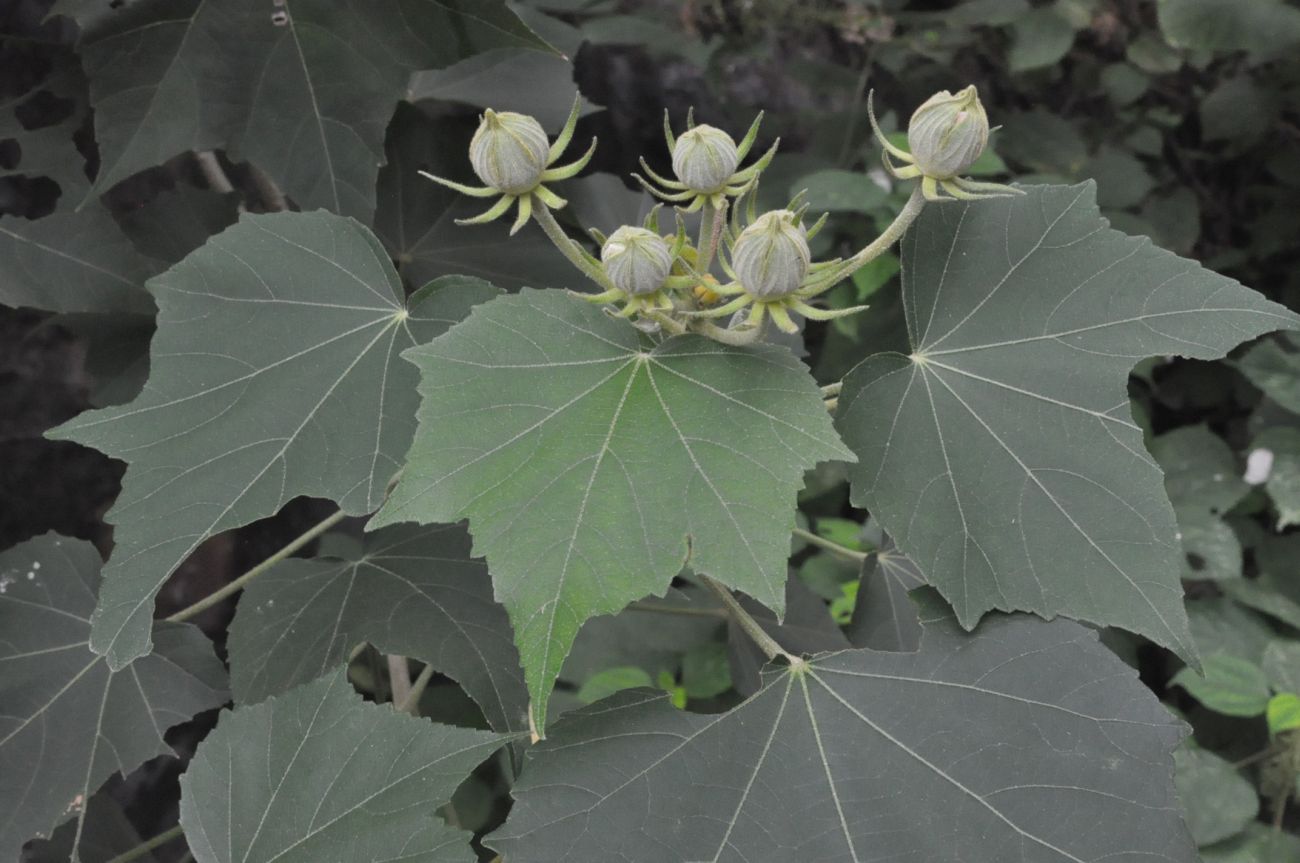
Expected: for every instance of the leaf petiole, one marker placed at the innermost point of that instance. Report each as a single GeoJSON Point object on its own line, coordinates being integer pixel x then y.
{"type": "Point", "coordinates": [746, 622]}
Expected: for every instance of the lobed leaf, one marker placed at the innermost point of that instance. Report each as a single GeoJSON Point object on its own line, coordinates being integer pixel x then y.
{"type": "Point", "coordinates": [69, 721]}
{"type": "Point", "coordinates": [274, 373]}
{"type": "Point", "coordinates": [1025, 741]}
{"type": "Point", "coordinates": [319, 774]}
{"type": "Point", "coordinates": [302, 88]}
{"type": "Point", "coordinates": [411, 592]}
{"type": "Point", "coordinates": [589, 460]}
{"type": "Point", "coordinates": [1000, 453]}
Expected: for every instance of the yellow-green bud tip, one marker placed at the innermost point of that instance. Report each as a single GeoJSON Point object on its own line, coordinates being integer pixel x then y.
{"type": "Point", "coordinates": [948, 133]}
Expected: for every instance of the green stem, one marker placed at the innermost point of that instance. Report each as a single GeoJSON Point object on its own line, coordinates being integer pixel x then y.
{"type": "Point", "coordinates": [568, 247]}
{"type": "Point", "coordinates": [411, 704]}
{"type": "Point", "coordinates": [878, 246]}
{"type": "Point", "coordinates": [238, 584]}
{"type": "Point", "coordinates": [712, 221]}
{"type": "Point", "coordinates": [743, 619]}
{"type": "Point", "coordinates": [834, 547]}
{"type": "Point", "coordinates": [148, 845]}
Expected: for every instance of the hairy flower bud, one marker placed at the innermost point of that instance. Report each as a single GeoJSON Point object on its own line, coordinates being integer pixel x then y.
{"type": "Point", "coordinates": [704, 158]}
{"type": "Point", "coordinates": [509, 152]}
{"type": "Point", "coordinates": [771, 256]}
{"type": "Point", "coordinates": [948, 132]}
{"type": "Point", "coordinates": [637, 260]}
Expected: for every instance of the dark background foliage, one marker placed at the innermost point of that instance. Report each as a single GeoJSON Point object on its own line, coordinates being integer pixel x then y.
{"type": "Point", "coordinates": [1185, 112]}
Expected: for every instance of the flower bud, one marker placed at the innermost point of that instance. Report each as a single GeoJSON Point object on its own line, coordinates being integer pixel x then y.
{"type": "Point", "coordinates": [771, 256]}
{"type": "Point", "coordinates": [704, 158]}
{"type": "Point", "coordinates": [509, 152]}
{"type": "Point", "coordinates": [948, 132]}
{"type": "Point", "coordinates": [637, 260]}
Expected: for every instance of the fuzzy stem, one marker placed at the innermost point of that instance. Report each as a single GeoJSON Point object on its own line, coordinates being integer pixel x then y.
{"type": "Point", "coordinates": [411, 703]}
{"type": "Point", "coordinates": [148, 845]}
{"type": "Point", "coordinates": [878, 246]}
{"type": "Point", "coordinates": [738, 338]}
{"type": "Point", "coordinates": [712, 221]}
{"type": "Point", "coordinates": [569, 248]}
{"type": "Point", "coordinates": [743, 619]}
{"type": "Point", "coordinates": [834, 547]}
{"type": "Point", "coordinates": [238, 584]}
{"type": "Point", "coordinates": [669, 324]}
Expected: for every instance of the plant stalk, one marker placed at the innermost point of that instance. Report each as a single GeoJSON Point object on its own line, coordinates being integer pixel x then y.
{"type": "Point", "coordinates": [743, 619]}
{"type": "Point", "coordinates": [148, 845]}
{"type": "Point", "coordinates": [568, 247]}
{"type": "Point", "coordinates": [238, 584]}
{"type": "Point", "coordinates": [411, 703]}
{"type": "Point", "coordinates": [712, 221]}
{"type": "Point", "coordinates": [878, 246]}
{"type": "Point", "coordinates": [833, 547]}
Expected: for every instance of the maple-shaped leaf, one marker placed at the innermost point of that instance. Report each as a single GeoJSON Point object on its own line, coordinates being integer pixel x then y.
{"type": "Point", "coordinates": [274, 373]}
{"type": "Point", "coordinates": [301, 88]}
{"type": "Point", "coordinates": [411, 591]}
{"type": "Point", "coordinates": [68, 721]}
{"type": "Point", "coordinates": [318, 774]}
{"type": "Point", "coordinates": [1025, 741]}
{"type": "Point", "coordinates": [588, 459]}
{"type": "Point", "coordinates": [1001, 454]}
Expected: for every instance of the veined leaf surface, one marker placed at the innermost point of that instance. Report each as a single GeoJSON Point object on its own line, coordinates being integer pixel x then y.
{"type": "Point", "coordinates": [589, 460]}
{"type": "Point", "coordinates": [69, 722]}
{"type": "Point", "coordinates": [1026, 741]}
{"type": "Point", "coordinates": [1001, 454]}
{"type": "Point", "coordinates": [274, 373]}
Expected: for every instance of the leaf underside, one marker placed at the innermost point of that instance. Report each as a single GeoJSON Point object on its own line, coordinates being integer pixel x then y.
{"type": "Point", "coordinates": [589, 460]}
{"type": "Point", "coordinates": [274, 373]}
{"type": "Point", "coordinates": [68, 722]}
{"type": "Point", "coordinates": [1028, 741]}
{"type": "Point", "coordinates": [413, 591]}
{"type": "Point", "coordinates": [1001, 454]}
{"type": "Point", "coordinates": [319, 774]}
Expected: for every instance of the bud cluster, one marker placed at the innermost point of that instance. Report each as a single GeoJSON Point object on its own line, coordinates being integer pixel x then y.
{"type": "Point", "coordinates": [666, 282]}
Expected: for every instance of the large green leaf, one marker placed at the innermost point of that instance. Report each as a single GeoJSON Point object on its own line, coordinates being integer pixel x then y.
{"type": "Point", "coordinates": [884, 616]}
{"type": "Point", "coordinates": [73, 262]}
{"type": "Point", "coordinates": [412, 592]}
{"type": "Point", "coordinates": [1027, 741]}
{"type": "Point", "coordinates": [1000, 453]}
{"type": "Point", "coordinates": [319, 774]}
{"type": "Point", "coordinates": [1203, 482]}
{"type": "Point", "coordinates": [302, 88]}
{"type": "Point", "coordinates": [68, 722]}
{"type": "Point", "coordinates": [589, 460]}
{"type": "Point", "coordinates": [1262, 27]}
{"type": "Point", "coordinates": [274, 373]}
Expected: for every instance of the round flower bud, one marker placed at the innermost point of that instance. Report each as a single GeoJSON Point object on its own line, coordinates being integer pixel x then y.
{"type": "Point", "coordinates": [509, 152]}
{"type": "Point", "coordinates": [948, 133]}
{"type": "Point", "coordinates": [637, 260]}
{"type": "Point", "coordinates": [771, 256]}
{"type": "Point", "coordinates": [704, 158]}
